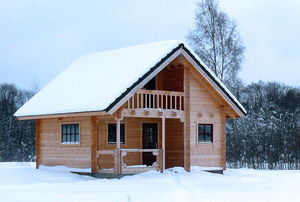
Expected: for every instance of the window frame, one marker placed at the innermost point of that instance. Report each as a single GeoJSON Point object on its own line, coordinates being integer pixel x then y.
{"type": "Point", "coordinates": [212, 133]}
{"type": "Point", "coordinates": [77, 143]}
{"type": "Point", "coordinates": [107, 133]}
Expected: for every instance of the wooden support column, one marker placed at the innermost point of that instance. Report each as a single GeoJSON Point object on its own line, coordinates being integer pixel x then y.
{"type": "Point", "coordinates": [223, 142]}
{"type": "Point", "coordinates": [117, 157]}
{"type": "Point", "coordinates": [163, 142]}
{"type": "Point", "coordinates": [118, 162]}
{"type": "Point", "coordinates": [94, 144]}
{"type": "Point", "coordinates": [37, 143]}
{"type": "Point", "coordinates": [118, 134]}
{"type": "Point", "coordinates": [187, 117]}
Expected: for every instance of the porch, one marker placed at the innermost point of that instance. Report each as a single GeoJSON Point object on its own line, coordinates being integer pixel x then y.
{"type": "Point", "coordinates": [121, 167]}
{"type": "Point", "coordinates": [153, 128]}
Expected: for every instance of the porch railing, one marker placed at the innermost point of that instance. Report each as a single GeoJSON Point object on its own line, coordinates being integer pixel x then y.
{"type": "Point", "coordinates": [118, 161]}
{"type": "Point", "coordinates": [156, 99]}
{"type": "Point", "coordinates": [140, 168]}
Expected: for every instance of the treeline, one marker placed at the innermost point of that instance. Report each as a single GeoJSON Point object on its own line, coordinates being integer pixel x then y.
{"type": "Point", "coordinates": [17, 138]}
{"type": "Point", "coordinates": [269, 136]}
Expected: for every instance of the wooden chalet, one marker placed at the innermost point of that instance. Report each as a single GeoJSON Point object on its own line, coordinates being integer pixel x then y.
{"type": "Point", "coordinates": [152, 106]}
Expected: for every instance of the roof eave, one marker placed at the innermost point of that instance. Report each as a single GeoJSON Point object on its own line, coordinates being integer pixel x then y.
{"type": "Point", "coordinates": [62, 115]}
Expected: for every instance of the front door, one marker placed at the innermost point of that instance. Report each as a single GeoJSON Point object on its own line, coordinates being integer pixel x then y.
{"type": "Point", "coordinates": [149, 142]}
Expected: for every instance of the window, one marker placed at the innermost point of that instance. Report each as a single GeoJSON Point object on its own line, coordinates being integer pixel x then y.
{"type": "Point", "coordinates": [112, 133]}
{"type": "Point", "coordinates": [205, 133]}
{"type": "Point", "coordinates": [70, 133]}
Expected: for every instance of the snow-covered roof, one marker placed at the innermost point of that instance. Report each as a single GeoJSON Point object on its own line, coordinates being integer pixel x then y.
{"type": "Point", "coordinates": [97, 81]}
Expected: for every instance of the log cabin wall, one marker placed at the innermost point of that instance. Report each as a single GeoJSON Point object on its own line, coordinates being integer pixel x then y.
{"type": "Point", "coordinates": [174, 143]}
{"type": "Point", "coordinates": [205, 108]}
{"type": "Point", "coordinates": [133, 139]}
{"type": "Point", "coordinates": [52, 152]}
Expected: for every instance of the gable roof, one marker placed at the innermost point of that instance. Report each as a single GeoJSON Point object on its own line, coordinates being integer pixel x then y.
{"type": "Point", "coordinates": [103, 81]}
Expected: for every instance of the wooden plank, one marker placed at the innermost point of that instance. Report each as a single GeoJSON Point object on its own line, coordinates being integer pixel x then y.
{"type": "Point", "coordinates": [93, 144]}
{"type": "Point", "coordinates": [167, 102]}
{"type": "Point", "coordinates": [132, 170]}
{"type": "Point", "coordinates": [121, 161]}
{"type": "Point", "coordinates": [180, 97]}
{"type": "Point", "coordinates": [118, 134]}
{"type": "Point", "coordinates": [142, 100]}
{"type": "Point", "coordinates": [132, 100]}
{"type": "Point", "coordinates": [223, 142]}
{"type": "Point", "coordinates": [140, 150]}
{"type": "Point", "coordinates": [116, 161]}
{"type": "Point", "coordinates": [187, 165]}
{"type": "Point", "coordinates": [160, 92]}
{"type": "Point", "coordinates": [143, 113]}
{"type": "Point", "coordinates": [163, 123]}
{"type": "Point", "coordinates": [117, 156]}
{"type": "Point", "coordinates": [99, 152]}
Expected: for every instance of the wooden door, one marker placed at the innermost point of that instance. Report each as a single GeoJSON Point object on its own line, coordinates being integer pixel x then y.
{"type": "Point", "coordinates": [149, 142]}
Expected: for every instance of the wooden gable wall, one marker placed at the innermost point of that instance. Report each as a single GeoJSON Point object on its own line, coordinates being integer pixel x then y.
{"type": "Point", "coordinates": [205, 108]}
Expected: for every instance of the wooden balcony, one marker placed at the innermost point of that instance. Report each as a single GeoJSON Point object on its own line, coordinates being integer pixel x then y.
{"type": "Point", "coordinates": [155, 103]}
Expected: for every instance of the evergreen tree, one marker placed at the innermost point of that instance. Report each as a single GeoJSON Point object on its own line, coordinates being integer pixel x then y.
{"type": "Point", "coordinates": [17, 138]}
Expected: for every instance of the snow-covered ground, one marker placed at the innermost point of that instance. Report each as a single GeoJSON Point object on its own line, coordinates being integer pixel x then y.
{"type": "Point", "coordinates": [21, 182]}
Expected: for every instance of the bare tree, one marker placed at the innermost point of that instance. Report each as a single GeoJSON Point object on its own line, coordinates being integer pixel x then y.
{"type": "Point", "coordinates": [34, 86]}
{"type": "Point", "coordinates": [216, 41]}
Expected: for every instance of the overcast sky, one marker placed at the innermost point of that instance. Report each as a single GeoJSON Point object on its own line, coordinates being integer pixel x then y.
{"type": "Point", "coordinates": [39, 38]}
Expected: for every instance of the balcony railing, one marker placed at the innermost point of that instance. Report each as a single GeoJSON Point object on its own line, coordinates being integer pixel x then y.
{"type": "Point", "coordinates": [156, 99]}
